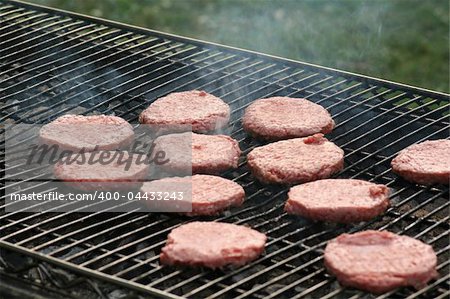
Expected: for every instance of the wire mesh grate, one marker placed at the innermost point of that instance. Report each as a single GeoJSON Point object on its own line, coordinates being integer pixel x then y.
{"type": "Point", "coordinates": [55, 63]}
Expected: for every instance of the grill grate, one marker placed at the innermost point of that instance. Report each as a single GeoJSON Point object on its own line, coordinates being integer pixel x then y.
{"type": "Point", "coordinates": [55, 62]}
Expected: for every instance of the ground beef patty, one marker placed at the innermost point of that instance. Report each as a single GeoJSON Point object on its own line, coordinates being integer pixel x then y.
{"type": "Point", "coordinates": [378, 262]}
{"type": "Point", "coordinates": [75, 132]}
{"type": "Point", "coordinates": [210, 194]}
{"type": "Point", "coordinates": [282, 118]}
{"type": "Point", "coordinates": [424, 163]}
{"type": "Point", "coordinates": [296, 160]}
{"type": "Point", "coordinates": [210, 154]}
{"type": "Point", "coordinates": [203, 111]}
{"type": "Point", "coordinates": [111, 174]}
{"type": "Point", "coordinates": [212, 245]}
{"type": "Point", "coordinates": [338, 200]}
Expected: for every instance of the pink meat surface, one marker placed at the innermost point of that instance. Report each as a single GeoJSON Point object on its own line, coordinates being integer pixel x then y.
{"type": "Point", "coordinates": [203, 111]}
{"type": "Point", "coordinates": [212, 245]}
{"type": "Point", "coordinates": [209, 194]}
{"type": "Point", "coordinates": [424, 163]}
{"type": "Point", "coordinates": [297, 160]}
{"type": "Point", "coordinates": [75, 132]}
{"type": "Point", "coordinates": [282, 118]}
{"type": "Point", "coordinates": [378, 262]}
{"type": "Point", "coordinates": [102, 177]}
{"type": "Point", "coordinates": [338, 200]}
{"type": "Point", "coordinates": [210, 154]}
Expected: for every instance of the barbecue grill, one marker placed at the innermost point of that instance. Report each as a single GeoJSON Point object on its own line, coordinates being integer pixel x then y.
{"type": "Point", "coordinates": [55, 62]}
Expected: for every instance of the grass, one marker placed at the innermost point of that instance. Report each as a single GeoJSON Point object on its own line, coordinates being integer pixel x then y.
{"type": "Point", "coordinates": [401, 40]}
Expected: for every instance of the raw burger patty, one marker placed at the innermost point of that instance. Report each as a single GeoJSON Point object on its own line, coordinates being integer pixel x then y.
{"type": "Point", "coordinates": [378, 262]}
{"type": "Point", "coordinates": [111, 175]}
{"type": "Point", "coordinates": [74, 132]}
{"type": "Point", "coordinates": [424, 163]}
{"type": "Point", "coordinates": [209, 154]}
{"type": "Point", "coordinates": [282, 118]}
{"type": "Point", "coordinates": [210, 194]}
{"type": "Point", "coordinates": [202, 110]}
{"type": "Point", "coordinates": [212, 245]}
{"type": "Point", "coordinates": [296, 160]}
{"type": "Point", "coordinates": [338, 200]}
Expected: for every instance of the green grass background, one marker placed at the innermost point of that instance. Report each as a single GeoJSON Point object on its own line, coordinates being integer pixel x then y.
{"type": "Point", "coordinates": [400, 40]}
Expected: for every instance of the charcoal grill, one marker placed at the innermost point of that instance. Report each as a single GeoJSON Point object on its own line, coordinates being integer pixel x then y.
{"type": "Point", "coordinates": [55, 62]}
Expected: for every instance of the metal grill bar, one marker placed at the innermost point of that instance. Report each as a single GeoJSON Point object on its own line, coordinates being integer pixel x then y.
{"type": "Point", "coordinates": [96, 61]}
{"type": "Point", "coordinates": [235, 273]}
{"type": "Point", "coordinates": [46, 58]}
{"type": "Point", "coordinates": [380, 150]}
{"type": "Point", "coordinates": [107, 266]}
{"type": "Point", "coordinates": [152, 284]}
{"type": "Point", "coordinates": [61, 44]}
{"type": "Point", "coordinates": [400, 127]}
{"type": "Point", "coordinates": [109, 241]}
{"type": "Point", "coordinates": [300, 268]}
{"type": "Point", "coordinates": [275, 294]}
{"type": "Point", "coordinates": [154, 89]}
{"type": "Point", "coordinates": [106, 67]}
{"type": "Point", "coordinates": [127, 245]}
{"type": "Point", "coordinates": [393, 155]}
{"type": "Point", "coordinates": [196, 277]}
{"type": "Point", "coordinates": [277, 279]}
{"type": "Point", "coordinates": [6, 7]}
{"type": "Point", "coordinates": [87, 244]}
{"type": "Point", "coordinates": [37, 16]}
{"type": "Point", "coordinates": [17, 16]}
{"type": "Point", "coordinates": [235, 63]}
{"type": "Point", "coordinates": [32, 39]}
{"type": "Point", "coordinates": [32, 32]}
{"type": "Point", "coordinates": [143, 93]}
{"type": "Point", "coordinates": [304, 89]}
{"type": "Point", "coordinates": [325, 282]}
{"type": "Point", "coordinates": [111, 89]}
{"type": "Point", "coordinates": [35, 69]}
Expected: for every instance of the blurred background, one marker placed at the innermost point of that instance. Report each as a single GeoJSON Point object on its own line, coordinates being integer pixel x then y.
{"type": "Point", "coordinates": [401, 40]}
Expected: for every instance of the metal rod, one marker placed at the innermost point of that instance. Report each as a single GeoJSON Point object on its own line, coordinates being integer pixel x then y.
{"type": "Point", "coordinates": [122, 248]}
